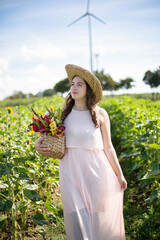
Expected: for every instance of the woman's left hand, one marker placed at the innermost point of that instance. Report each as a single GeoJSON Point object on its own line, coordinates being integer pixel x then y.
{"type": "Point", "coordinates": [122, 181]}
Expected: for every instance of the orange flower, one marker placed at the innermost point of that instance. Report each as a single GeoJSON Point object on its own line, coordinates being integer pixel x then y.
{"type": "Point", "coordinates": [41, 113]}
{"type": "Point", "coordinates": [29, 141]}
{"type": "Point", "coordinates": [31, 131]}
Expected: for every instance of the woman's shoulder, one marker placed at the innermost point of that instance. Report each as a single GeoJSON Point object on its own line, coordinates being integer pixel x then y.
{"type": "Point", "coordinates": [101, 110]}
{"type": "Point", "coordinates": [103, 115]}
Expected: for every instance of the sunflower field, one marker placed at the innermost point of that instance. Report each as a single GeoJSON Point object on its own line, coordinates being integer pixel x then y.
{"type": "Point", "coordinates": [135, 129]}
{"type": "Point", "coordinates": [27, 180]}
{"type": "Point", "coordinates": [30, 201]}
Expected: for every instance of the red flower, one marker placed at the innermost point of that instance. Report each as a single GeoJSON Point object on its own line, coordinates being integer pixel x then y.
{"type": "Point", "coordinates": [34, 127]}
{"type": "Point", "coordinates": [47, 119]}
{"type": "Point", "coordinates": [60, 130]}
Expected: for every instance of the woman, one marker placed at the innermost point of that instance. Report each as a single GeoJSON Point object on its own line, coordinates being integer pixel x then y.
{"type": "Point", "coordinates": [92, 183]}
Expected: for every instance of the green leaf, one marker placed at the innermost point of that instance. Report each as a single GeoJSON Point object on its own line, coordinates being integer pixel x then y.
{"type": "Point", "coordinates": [50, 206]}
{"type": "Point", "coordinates": [22, 170]}
{"type": "Point", "coordinates": [5, 205]}
{"type": "Point", "coordinates": [3, 185]}
{"type": "Point", "coordinates": [132, 166]}
{"type": "Point", "coordinates": [16, 191]}
{"type": "Point", "coordinates": [23, 159]}
{"type": "Point", "coordinates": [23, 209]}
{"type": "Point", "coordinates": [151, 174]}
{"type": "Point", "coordinates": [155, 194]}
{"type": "Point", "coordinates": [2, 217]}
{"type": "Point", "coordinates": [145, 156]}
{"type": "Point", "coordinates": [39, 219]}
{"type": "Point", "coordinates": [146, 182]}
{"type": "Point", "coordinates": [17, 148]}
{"type": "Point", "coordinates": [139, 124]}
{"type": "Point", "coordinates": [23, 176]}
{"type": "Point", "coordinates": [7, 153]}
{"type": "Point", "coordinates": [2, 221]}
{"type": "Point", "coordinates": [32, 195]}
{"type": "Point", "coordinates": [155, 166]}
{"type": "Point", "coordinates": [154, 145]}
{"type": "Point", "coordinates": [42, 233]}
{"type": "Point", "coordinates": [5, 169]}
{"type": "Point", "coordinates": [30, 186]}
{"type": "Point", "coordinates": [1, 132]}
{"type": "Point", "coordinates": [130, 154]}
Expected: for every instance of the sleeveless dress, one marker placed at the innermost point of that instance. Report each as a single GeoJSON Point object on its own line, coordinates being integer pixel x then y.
{"type": "Point", "coordinates": [91, 194]}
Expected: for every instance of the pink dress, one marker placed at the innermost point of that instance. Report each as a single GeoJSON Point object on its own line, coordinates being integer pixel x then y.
{"type": "Point", "coordinates": [91, 194]}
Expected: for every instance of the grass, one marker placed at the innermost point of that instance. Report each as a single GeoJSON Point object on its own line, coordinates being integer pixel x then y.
{"type": "Point", "coordinates": [25, 101]}
{"type": "Point", "coordinates": [17, 102]}
{"type": "Point", "coordinates": [136, 95]}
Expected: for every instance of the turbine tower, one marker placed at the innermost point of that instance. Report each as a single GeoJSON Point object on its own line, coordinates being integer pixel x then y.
{"type": "Point", "coordinates": [89, 29]}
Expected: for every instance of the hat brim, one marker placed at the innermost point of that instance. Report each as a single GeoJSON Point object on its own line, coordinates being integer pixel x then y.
{"type": "Point", "coordinates": [90, 78]}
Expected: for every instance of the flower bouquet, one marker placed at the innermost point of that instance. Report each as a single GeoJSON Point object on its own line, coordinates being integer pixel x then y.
{"type": "Point", "coordinates": [51, 129]}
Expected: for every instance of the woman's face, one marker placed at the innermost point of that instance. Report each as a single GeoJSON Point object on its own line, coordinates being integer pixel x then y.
{"type": "Point", "coordinates": [78, 88]}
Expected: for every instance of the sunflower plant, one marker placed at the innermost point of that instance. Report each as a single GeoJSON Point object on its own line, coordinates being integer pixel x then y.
{"type": "Point", "coordinates": [50, 123]}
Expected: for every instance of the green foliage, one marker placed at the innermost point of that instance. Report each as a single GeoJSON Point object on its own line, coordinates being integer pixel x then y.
{"type": "Point", "coordinates": [17, 95]}
{"type": "Point", "coordinates": [62, 86]}
{"type": "Point", "coordinates": [152, 78]}
{"type": "Point", "coordinates": [48, 92]}
{"type": "Point", "coordinates": [135, 127]}
{"type": "Point", "coordinates": [27, 180]}
{"type": "Point", "coordinates": [109, 84]}
{"type": "Point", "coordinates": [106, 80]}
{"type": "Point", "coordinates": [40, 220]}
{"type": "Point", "coordinates": [17, 102]}
{"type": "Point", "coordinates": [126, 83]}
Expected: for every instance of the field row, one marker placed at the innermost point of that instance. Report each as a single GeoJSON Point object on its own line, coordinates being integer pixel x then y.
{"type": "Point", "coordinates": [135, 126]}
{"type": "Point", "coordinates": [28, 181]}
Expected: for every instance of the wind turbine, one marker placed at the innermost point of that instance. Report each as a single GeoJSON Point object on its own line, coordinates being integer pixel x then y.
{"type": "Point", "coordinates": [89, 29]}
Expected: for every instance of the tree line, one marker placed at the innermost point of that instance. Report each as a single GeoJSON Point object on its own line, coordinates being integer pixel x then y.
{"type": "Point", "coordinates": [151, 78]}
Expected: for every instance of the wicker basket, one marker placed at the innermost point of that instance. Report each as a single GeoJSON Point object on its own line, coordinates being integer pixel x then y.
{"type": "Point", "coordinates": [57, 145]}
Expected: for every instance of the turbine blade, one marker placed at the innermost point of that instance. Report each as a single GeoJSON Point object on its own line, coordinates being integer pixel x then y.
{"type": "Point", "coordinates": [77, 20]}
{"type": "Point", "coordinates": [97, 18]}
{"type": "Point", "coordinates": [88, 6]}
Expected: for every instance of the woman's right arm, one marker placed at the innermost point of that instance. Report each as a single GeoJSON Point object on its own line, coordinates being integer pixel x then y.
{"type": "Point", "coordinates": [44, 150]}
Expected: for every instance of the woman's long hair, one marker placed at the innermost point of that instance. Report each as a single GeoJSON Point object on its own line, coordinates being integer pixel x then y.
{"type": "Point", "coordinates": [90, 104]}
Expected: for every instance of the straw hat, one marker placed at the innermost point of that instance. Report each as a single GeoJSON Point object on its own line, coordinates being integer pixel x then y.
{"type": "Point", "coordinates": [89, 77]}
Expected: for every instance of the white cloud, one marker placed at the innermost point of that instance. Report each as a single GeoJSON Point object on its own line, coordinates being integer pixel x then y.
{"type": "Point", "coordinates": [4, 64]}
{"type": "Point", "coordinates": [40, 71]}
{"type": "Point", "coordinates": [153, 67]}
{"type": "Point", "coordinates": [124, 48]}
{"type": "Point", "coordinates": [38, 78]}
{"type": "Point", "coordinates": [5, 81]}
{"type": "Point", "coordinates": [7, 86]}
{"type": "Point", "coordinates": [42, 51]}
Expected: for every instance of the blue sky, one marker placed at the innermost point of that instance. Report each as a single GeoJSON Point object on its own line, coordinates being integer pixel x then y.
{"type": "Point", "coordinates": [36, 44]}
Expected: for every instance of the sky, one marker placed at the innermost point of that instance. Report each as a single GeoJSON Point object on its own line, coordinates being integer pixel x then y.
{"type": "Point", "coordinates": [36, 44]}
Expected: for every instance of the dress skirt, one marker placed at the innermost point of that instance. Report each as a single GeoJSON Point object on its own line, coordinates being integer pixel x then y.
{"type": "Point", "coordinates": [91, 196]}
